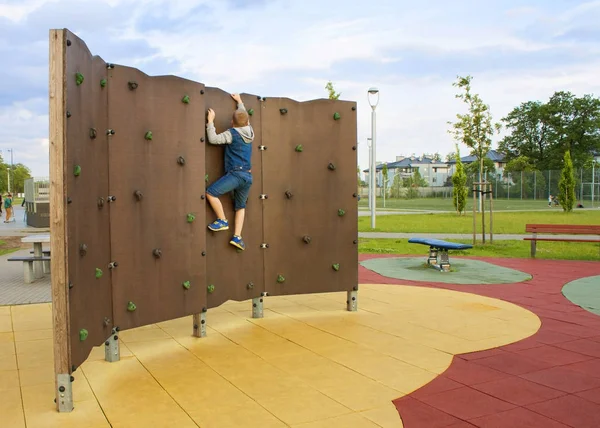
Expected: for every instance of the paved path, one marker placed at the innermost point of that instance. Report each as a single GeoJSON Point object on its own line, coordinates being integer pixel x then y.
{"type": "Point", "coordinates": [18, 227]}
{"type": "Point", "coordinates": [13, 290]}
{"type": "Point", "coordinates": [499, 237]}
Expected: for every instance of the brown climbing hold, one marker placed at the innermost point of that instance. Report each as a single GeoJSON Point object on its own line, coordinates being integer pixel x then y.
{"type": "Point", "coordinates": [181, 160]}
{"type": "Point", "coordinates": [132, 85]}
{"type": "Point", "coordinates": [307, 239]}
{"type": "Point", "coordinates": [139, 195]}
{"type": "Point", "coordinates": [83, 249]}
{"type": "Point", "coordinates": [93, 133]}
{"type": "Point", "coordinates": [157, 253]}
{"type": "Point", "coordinates": [288, 194]}
{"type": "Point", "coordinates": [331, 166]}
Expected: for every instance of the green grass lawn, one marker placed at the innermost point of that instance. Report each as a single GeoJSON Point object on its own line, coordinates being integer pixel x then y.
{"type": "Point", "coordinates": [518, 249]}
{"type": "Point", "coordinates": [504, 222]}
{"type": "Point", "coordinates": [4, 251]}
{"type": "Point", "coordinates": [445, 204]}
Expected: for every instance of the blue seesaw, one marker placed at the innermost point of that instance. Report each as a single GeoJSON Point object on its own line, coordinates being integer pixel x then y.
{"type": "Point", "coordinates": [438, 251]}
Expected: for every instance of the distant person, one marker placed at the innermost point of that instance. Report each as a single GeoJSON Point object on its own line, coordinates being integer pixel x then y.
{"type": "Point", "coordinates": [550, 200]}
{"type": "Point", "coordinates": [8, 207]}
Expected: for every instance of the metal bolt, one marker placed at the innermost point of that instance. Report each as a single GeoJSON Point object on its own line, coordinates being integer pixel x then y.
{"type": "Point", "coordinates": [202, 321]}
{"type": "Point", "coordinates": [68, 113]}
{"type": "Point", "coordinates": [288, 194]}
{"type": "Point", "coordinates": [201, 196]}
{"type": "Point", "coordinates": [139, 195]}
{"type": "Point", "coordinates": [70, 285]}
{"type": "Point", "coordinates": [204, 309]}
{"type": "Point", "coordinates": [83, 249]}
{"type": "Point", "coordinates": [202, 139]}
{"type": "Point", "coordinates": [355, 241]}
{"type": "Point", "coordinates": [260, 300]}
{"type": "Point", "coordinates": [107, 343]}
{"type": "Point", "coordinates": [93, 133]}
{"type": "Point", "coordinates": [254, 305]}
{"type": "Point", "coordinates": [100, 202]}
{"type": "Point", "coordinates": [331, 166]}
{"type": "Point", "coordinates": [353, 108]}
{"type": "Point", "coordinates": [306, 239]}
{"type": "Point", "coordinates": [72, 379]}
{"type": "Point", "coordinates": [181, 160]}
{"type": "Point", "coordinates": [157, 253]}
{"type": "Point", "coordinates": [353, 147]}
{"type": "Point", "coordinates": [201, 91]}
{"type": "Point", "coordinates": [195, 326]}
{"type": "Point", "coordinates": [61, 388]}
{"type": "Point", "coordinates": [69, 200]}
{"type": "Point", "coordinates": [132, 85]}
{"type": "Point", "coordinates": [283, 110]}
{"type": "Point", "coordinates": [116, 337]}
{"type": "Point", "coordinates": [203, 253]}
{"type": "Point", "coordinates": [68, 42]}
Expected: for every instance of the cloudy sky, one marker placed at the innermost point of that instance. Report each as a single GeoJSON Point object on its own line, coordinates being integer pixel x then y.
{"type": "Point", "coordinates": [516, 50]}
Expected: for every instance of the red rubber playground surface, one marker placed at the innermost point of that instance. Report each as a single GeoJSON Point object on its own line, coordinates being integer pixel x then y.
{"type": "Point", "coordinates": [551, 379]}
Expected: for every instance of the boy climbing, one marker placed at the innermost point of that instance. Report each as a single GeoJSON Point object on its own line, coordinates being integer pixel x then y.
{"type": "Point", "coordinates": [238, 174]}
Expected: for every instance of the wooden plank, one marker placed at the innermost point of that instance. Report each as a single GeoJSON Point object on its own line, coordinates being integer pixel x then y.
{"type": "Point", "coordinates": [561, 239]}
{"type": "Point", "coordinates": [58, 220]}
{"type": "Point", "coordinates": [321, 177]}
{"type": "Point", "coordinates": [563, 228]}
{"type": "Point", "coordinates": [156, 219]}
{"type": "Point", "coordinates": [227, 269]}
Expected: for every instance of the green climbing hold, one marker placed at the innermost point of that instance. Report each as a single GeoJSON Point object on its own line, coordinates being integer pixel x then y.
{"type": "Point", "coordinates": [336, 266]}
{"type": "Point", "coordinates": [211, 288]}
{"type": "Point", "coordinates": [336, 116]}
{"type": "Point", "coordinates": [186, 285]}
{"type": "Point", "coordinates": [148, 135]}
{"type": "Point", "coordinates": [78, 78]}
{"type": "Point", "coordinates": [103, 83]}
{"type": "Point", "coordinates": [131, 306]}
{"type": "Point", "coordinates": [76, 170]}
{"type": "Point", "coordinates": [251, 111]}
{"type": "Point", "coordinates": [299, 148]}
{"type": "Point", "coordinates": [83, 334]}
{"type": "Point", "coordinates": [186, 99]}
{"type": "Point", "coordinates": [98, 273]}
{"type": "Point", "coordinates": [280, 278]}
{"type": "Point", "coordinates": [191, 217]}
{"type": "Point", "coordinates": [341, 212]}
{"type": "Point", "coordinates": [206, 178]}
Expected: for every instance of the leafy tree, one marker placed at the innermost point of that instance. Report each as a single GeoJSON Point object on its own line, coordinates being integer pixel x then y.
{"type": "Point", "coordinates": [459, 181]}
{"type": "Point", "coordinates": [472, 169]}
{"type": "Point", "coordinates": [450, 156]}
{"type": "Point", "coordinates": [475, 128]}
{"type": "Point", "coordinates": [566, 184]}
{"type": "Point", "coordinates": [384, 173]}
{"type": "Point", "coordinates": [332, 95]}
{"type": "Point", "coordinates": [395, 190]}
{"type": "Point", "coordinates": [19, 174]}
{"type": "Point", "coordinates": [544, 131]}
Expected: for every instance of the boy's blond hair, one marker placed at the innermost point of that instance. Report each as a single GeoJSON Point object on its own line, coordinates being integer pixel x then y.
{"type": "Point", "coordinates": [240, 118]}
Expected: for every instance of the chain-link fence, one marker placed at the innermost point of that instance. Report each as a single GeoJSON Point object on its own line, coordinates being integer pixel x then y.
{"type": "Point", "coordinates": [531, 187]}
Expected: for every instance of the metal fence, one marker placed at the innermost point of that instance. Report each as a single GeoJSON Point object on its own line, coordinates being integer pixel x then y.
{"type": "Point", "coordinates": [520, 185]}
{"type": "Point", "coordinates": [37, 190]}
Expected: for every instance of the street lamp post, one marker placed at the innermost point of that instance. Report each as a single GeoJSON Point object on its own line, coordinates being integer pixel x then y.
{"type": "Point", "coordinates": [369, 145]}
{"type": "Point", "coordinates": [372, 197]}
{"type": "Point", "coordinates": [11, 170]}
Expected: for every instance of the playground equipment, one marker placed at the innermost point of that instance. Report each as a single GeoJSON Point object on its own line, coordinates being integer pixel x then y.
{"type": "Point", "coordinates": [483, 188]}
{"type": "Point", "coordinates": [129, 165]}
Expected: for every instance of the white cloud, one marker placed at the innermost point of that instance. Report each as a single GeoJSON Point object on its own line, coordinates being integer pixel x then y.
{"type": "Point", "coordinates": [412, 52]}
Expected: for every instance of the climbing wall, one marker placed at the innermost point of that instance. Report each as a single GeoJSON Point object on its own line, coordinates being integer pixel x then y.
{"type": "Point", "coordinates": [233, 274]}
{"type": "Point", "coordinates": [86, 176]}
{"type": "Point", "coordinates": [156, 175]}
{"type": "Point", "coordinates": [310, 216]}
{"type": "Point", "coordinates": [131, 161]}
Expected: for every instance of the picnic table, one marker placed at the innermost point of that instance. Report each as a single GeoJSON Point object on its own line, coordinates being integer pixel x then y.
{"type": "Point", "coordinates": [43, 265]}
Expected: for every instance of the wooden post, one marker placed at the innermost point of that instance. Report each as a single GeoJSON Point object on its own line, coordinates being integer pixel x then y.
{"type": "Point", "coordinates": [58, 221]}
{"type": "Point", "coordinates": [491, 214]}
{"type": "Point", "coordinates": [483, 188]}
{"type": "Point", "coordinates": [474, 215]}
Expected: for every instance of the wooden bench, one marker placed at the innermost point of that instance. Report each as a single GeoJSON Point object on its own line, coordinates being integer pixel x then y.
{"type": "Point", "coordinates": [439, 249]}
{"type": "Point", "coordinates": [562, 229]}
{"type": "Point", "coordinates": [28, 265]}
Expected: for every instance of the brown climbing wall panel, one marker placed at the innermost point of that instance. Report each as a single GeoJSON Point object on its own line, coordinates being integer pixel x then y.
{"type": "Point", "coordinates": [90, 304]}
{"type": "Point", "coordinates": [155, 247]}
{"type": "Point", "coordinates": [229, 270]}
{"type": "Point", "coordinates": [305, 196]}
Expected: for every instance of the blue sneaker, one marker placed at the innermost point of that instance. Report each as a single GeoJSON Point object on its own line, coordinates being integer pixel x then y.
{"type": "Point", "coordinates": [218, 225]}
{"type": "Point", "coordinates": [237, 241]}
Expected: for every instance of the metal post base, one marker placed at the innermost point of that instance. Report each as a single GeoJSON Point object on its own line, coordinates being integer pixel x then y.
{"type": "Point", "coordinates": [200, 324]}
{"type": "Point", "coordinates": [257, 307]}
{"type": "Point", "coordinates": [444, 261]}
{"type": "Point", "coordinates": [352, 301]}
{"type": "Point", "coordinates": [433, 255]}
{"type": "Point", "coordinates": [112, 352]}
{"type": "Point", "coordinates": [64, 393]}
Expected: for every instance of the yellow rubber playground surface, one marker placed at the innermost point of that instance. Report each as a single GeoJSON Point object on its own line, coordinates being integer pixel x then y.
{"type": "Point", "coordinates": [307, 363]}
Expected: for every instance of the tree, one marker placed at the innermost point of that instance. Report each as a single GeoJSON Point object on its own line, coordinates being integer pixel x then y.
{"type": "Point", "coordinates": [473, 168]}
{"type": "Point", "coordinates": [384, 173]}
{"type": "Point", "coordinates": [19, 174]}
{"type": "Point", "coordinates": [396, 186]}
{"type": "Point", "coordinates": [331, 91]}
{"type": "Point", "coordinates": [459, 190]}
{"type": "Point", "coordinates": [475, 128]}
{"type": "Point", "coordinates": [450, 156]}
{"type": "Point", "coordinates": [543, 132]}
{"type": "Point", "coordinates": [566, 184]}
